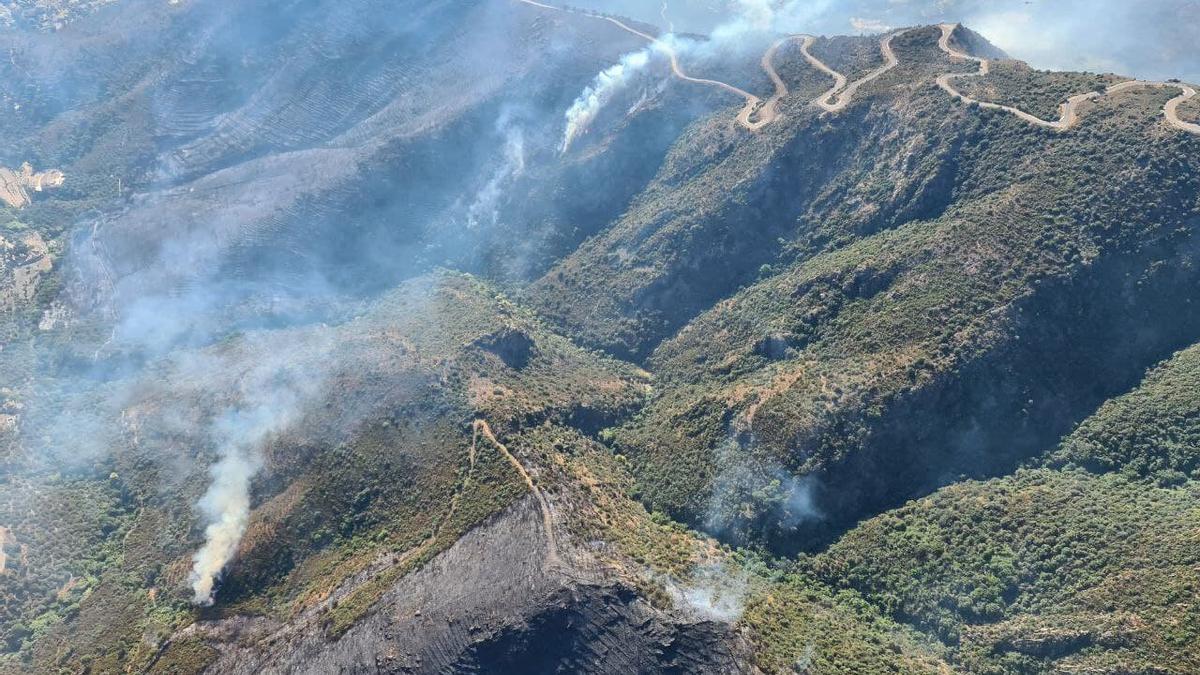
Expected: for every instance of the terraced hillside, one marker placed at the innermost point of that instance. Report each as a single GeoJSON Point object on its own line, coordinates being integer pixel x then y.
{"type": "Point", "coordinates": [492, 336]}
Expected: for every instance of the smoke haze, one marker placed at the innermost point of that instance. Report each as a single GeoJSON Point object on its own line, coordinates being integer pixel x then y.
{"type": "Point", "coordinates": [607, 84]}
{"type": "Point", "coordinates": [275, 195]}
{"type": "Point", "coordinates": [1146, 39]}
{"type": "Point", "coordinates": [253, 210]}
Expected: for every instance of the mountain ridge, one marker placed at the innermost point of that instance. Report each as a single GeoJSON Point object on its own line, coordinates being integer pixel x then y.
{"type": "Point", "coordinates": [884, 376]}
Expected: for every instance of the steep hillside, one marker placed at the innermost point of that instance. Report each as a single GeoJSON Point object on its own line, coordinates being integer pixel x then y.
{"type": "Point", "coordinates": [371, 466]}
{"type": "Point", "coordinates": [1056, 568]}
{"type": "Point", "coordinates": [806, 182]}
{"type": "Point", "coordinates": [961, 341]}
{"type": "Point", "coordinates": [497, 336]}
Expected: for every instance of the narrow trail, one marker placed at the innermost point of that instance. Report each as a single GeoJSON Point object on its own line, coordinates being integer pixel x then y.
{"type": "Point", "coordinates": [1068, 111]}
{"type": "Point", "coordinates": [839, 80]}
{"type": "Point", "coordinates": [757, 113]}
{"type": "Point", "coordinates": [846, 95]}
{"type": "Point", "coordinates": [753, 103]}
{"type": "Point", "coordinates": [482, 427]}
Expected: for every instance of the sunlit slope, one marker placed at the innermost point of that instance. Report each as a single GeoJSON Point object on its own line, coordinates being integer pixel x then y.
{"type": "Point", "coordinates": [1090, 565]}
{"type": "Point", "coordinates": [375, 473]}
{"type": "Point", "coordinates": [1025, 290]}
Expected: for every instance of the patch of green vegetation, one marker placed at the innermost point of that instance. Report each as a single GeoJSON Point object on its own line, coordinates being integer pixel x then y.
{"type": "Point", "coordinates": [604, 512]}
{"type": "Point", "coordinates": [1189, 110]}
{"type": "Point", "coordinates": [800, 625]}
{"type": "Point", "coordinates": [1037, 92]}
{"type": "Point", "coordinates": [49, 571]}
{"type": "Point", "coordinates": [1037, 572]}
{"type": "Point", "coordinates": [1152, 432]}
{"type": "Point", "coordinates": [1049, 571]}
{"type": "Point", "coordinates": [824, 366]}
{"type": "Point", "coordinates": [184, 657]}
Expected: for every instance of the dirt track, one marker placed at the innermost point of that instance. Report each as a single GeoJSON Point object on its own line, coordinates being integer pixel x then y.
{"type": "Point", "coordinates": [843, 93]}
{"type": "Point", "coordinates": [482, 427]}
{"type": "Point", "coordinates": [756, 113]}
{"type": "Point", "coordinates": [753, 103]}
{"type": "Point", "coordinates": [1171, 109]}
{"type": "Point", "coordinates": [1069, 115]}
{"type": "Point", "coordinates": [769, 111]}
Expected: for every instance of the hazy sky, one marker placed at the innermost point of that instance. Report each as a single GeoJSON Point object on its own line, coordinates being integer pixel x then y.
{"type": "Point", "coordinates": [1150, 39]}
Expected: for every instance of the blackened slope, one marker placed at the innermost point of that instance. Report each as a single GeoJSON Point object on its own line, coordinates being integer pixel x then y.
{"type": "Point", "coordinates": [604, 630]}
{"type": "Point", "coordinates": [488, 604]}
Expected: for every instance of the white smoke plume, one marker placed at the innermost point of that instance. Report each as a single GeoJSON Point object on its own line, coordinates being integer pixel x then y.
{"type": "Point", "coordinates": [603, 88]}
{"type": "Point", "coordinates": [714, 593]}
{"type": "Point", "coordinates": [276, 379]}
{"type": "Point", "coordinates": [751, 493]}
{"type": "Point", "coordinates": [226, 507]}
{"type": "Point", "coordinates": [484, 211]}
{"type": "Point", "coordinates": [751, 26]}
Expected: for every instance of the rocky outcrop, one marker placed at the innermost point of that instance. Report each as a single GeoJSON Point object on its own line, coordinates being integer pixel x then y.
{"type": "Point", "coordinates": [494, 602]}
{"type": "Point", "coordinates": [16, 184]}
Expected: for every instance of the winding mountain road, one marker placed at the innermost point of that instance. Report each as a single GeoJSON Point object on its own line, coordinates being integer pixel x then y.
{"type": "Point", "coordinates": [769, 111]}
{"type": "Point", "coordinates": [1171, 109]}
{"type": "Point", "coordinates": [1067, 116]}
{"type": "Point", "coordinates": [753, 103]}
{"type": "Point", "coordinates": [842, 93]}
{"type": "Point", "coordinates": [1068, 111]}
{"type": "Point", "coordinates": [757, 113]}
{"type": "Point", "coordinates": [839, 80]}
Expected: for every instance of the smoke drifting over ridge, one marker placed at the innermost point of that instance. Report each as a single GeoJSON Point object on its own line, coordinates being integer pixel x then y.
{"type": "Point", "coordinates": [1153, 40]}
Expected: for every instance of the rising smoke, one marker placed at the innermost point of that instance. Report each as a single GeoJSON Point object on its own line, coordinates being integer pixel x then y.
{"type": "Point", "coordinates": [1153, 40]}
{"type": "Point", "coordinates": [226, 508]}
{"type": "Point", "coordinates": [715, 592]}
{"type": "Point", "coordinates": [273, 386]}
{"type": "Point", "coordinates": [484, 210]}
{"type": "Point", "coordinates": [601, 91]}
{"type": "Point", "coordinates": [754, 497]}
